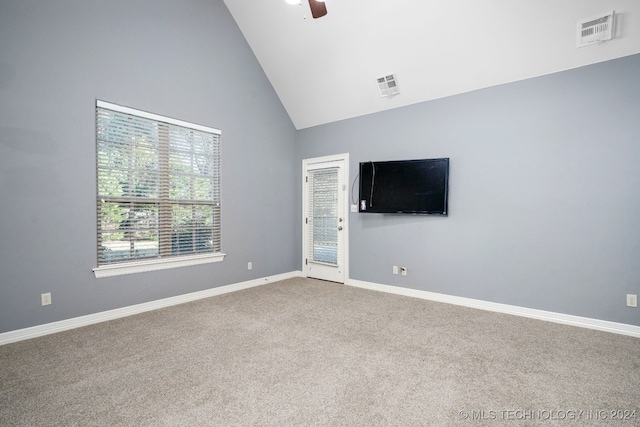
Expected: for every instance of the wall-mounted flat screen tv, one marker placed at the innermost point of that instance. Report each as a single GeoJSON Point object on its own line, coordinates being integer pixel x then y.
{"type": "Point", "coordinates": [405, 186]}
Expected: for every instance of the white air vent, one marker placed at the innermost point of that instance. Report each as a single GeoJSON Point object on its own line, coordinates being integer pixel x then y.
{"type": "Point", "coordinates": [388, 85]}
{"type": "Point", "coordinates": [595, 30]}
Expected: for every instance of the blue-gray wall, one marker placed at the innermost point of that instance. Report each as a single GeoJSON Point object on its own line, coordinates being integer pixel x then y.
{"type": "Point", "coordinates": [544, 192]}
{"type": "Point", "coordinates": [184, 59]}
{"type": "Point", "coordinates": [544, 173]}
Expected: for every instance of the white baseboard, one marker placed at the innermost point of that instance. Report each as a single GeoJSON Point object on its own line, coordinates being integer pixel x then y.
{"type": "Point", "coordinates": [76, 322]}
{"type": "Point", "coordinates": [565, 319]}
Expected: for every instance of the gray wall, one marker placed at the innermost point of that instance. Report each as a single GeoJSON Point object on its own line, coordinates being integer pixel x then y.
{"type": "Point", "coordinates": [184, 59]}
{"type": "Point", "coordinates": [544, 176]}
{"type": "Point", "coordinates": [544, 192]}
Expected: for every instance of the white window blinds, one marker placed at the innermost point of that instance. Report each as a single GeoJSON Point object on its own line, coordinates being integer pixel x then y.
{"type": "Point", "coordinates": [323, 215]}
{"type": "Point", "coordinates": [158, 182]}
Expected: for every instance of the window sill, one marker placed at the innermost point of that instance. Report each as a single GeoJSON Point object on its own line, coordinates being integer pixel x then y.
{"type": "Point", "coordinates": [155, 265]}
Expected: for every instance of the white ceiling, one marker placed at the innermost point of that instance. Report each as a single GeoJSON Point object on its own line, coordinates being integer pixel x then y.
{"type": "Point", "coordinates": [325, 69]}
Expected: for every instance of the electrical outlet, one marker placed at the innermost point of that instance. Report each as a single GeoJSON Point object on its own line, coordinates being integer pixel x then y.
{"type": "Point", "coordinates": [632, 300]}
{"type": "Point", "coordinates": [249, 265]}
{"type": "Point", "coordinates": [354, 208]}
{"type": "Point", "coordinates": [403, 271]}
{"type": "Point", "coordinates": [45, 298]}
{"type": "Point", "coordinates": [395, 269]}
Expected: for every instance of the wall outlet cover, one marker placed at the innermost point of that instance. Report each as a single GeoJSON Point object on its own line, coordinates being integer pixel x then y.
{"type": "Point", "coordinates": [45, 298]}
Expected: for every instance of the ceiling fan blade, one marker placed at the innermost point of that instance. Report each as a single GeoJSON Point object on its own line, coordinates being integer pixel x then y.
{"type": "Point", "coordinates": [318, 8]}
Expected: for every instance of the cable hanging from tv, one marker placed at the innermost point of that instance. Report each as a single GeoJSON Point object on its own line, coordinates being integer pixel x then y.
{"type": "Point", "coordinates": [373, 181]}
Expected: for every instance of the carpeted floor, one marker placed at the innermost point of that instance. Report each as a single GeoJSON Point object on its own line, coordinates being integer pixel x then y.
{"type": "Point", "coordinates": [313, 353]}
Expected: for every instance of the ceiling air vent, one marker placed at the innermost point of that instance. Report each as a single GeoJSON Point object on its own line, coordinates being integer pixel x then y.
{"type": "Point", "coordinates": [595, 30]}
{"type": "Point", "coordinates": [388, 85]}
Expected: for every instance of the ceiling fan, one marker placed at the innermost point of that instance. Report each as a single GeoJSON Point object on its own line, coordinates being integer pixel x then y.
{"type": "Point", "coordinates": [318, 8]}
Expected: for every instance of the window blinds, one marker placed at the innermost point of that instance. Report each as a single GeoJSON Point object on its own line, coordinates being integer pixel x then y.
{"type": "Point", "coordinates": [158, 186]}
{"type": "Point", "coordinates": [323, 215]}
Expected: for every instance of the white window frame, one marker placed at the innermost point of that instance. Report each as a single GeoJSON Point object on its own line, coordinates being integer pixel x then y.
{"type": "Point", "coordinates": [154, 264]}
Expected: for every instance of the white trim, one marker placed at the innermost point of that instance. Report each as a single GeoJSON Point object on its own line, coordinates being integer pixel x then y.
{"type": "Point", "coordinates": [90, 319]}
{"type": "Point", "coordinates": [311, 166]}
{"type": "Point", "coordinates": [335, 160]}
{"type": "Point", "coordinates": [549, 316]}
{"type": "Point", "coordinates": [155, 264]}
{"type": "Point", "coordinates": [156, 117]}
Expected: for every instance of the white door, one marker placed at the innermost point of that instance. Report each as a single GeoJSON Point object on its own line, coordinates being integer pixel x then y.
{"type": "Point", "coordinates": [325, 219]}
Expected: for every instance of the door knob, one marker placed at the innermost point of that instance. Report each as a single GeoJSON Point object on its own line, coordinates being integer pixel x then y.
{"type": "Point", "coordinates": [340, 228]}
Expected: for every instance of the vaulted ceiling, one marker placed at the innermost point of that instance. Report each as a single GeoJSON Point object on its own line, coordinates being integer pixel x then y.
{"type": "Point", "coordinates": [325, 69]}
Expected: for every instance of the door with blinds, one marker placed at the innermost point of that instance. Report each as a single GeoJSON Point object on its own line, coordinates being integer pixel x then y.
{"type": "Point", "coordinates": [325, 221]}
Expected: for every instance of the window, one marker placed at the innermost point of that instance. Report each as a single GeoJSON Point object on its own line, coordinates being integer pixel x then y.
{"type": "Point", "coordinates": [158, 191]}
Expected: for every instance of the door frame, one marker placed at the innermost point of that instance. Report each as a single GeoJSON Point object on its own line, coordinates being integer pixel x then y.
{"type": "Point", "coordinates": [306, 163]}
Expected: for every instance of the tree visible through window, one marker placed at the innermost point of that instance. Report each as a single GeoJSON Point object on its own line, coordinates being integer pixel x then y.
{"type": "Point", "coordinates": [158, 186]}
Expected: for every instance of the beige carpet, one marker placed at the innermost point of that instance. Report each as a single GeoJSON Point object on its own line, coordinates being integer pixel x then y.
{"type": "Point", "coordinates": [306, 352]}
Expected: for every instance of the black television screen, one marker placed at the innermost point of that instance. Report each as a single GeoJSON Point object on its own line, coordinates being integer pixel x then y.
{"type": "Point", "coordinates": [405, 186]}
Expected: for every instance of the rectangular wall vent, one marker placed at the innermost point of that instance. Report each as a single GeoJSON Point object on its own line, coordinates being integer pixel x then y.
{"type": "Point", "coordinates": [388, 85]}
{"type": "Point", "coordinates": [595, 30]}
